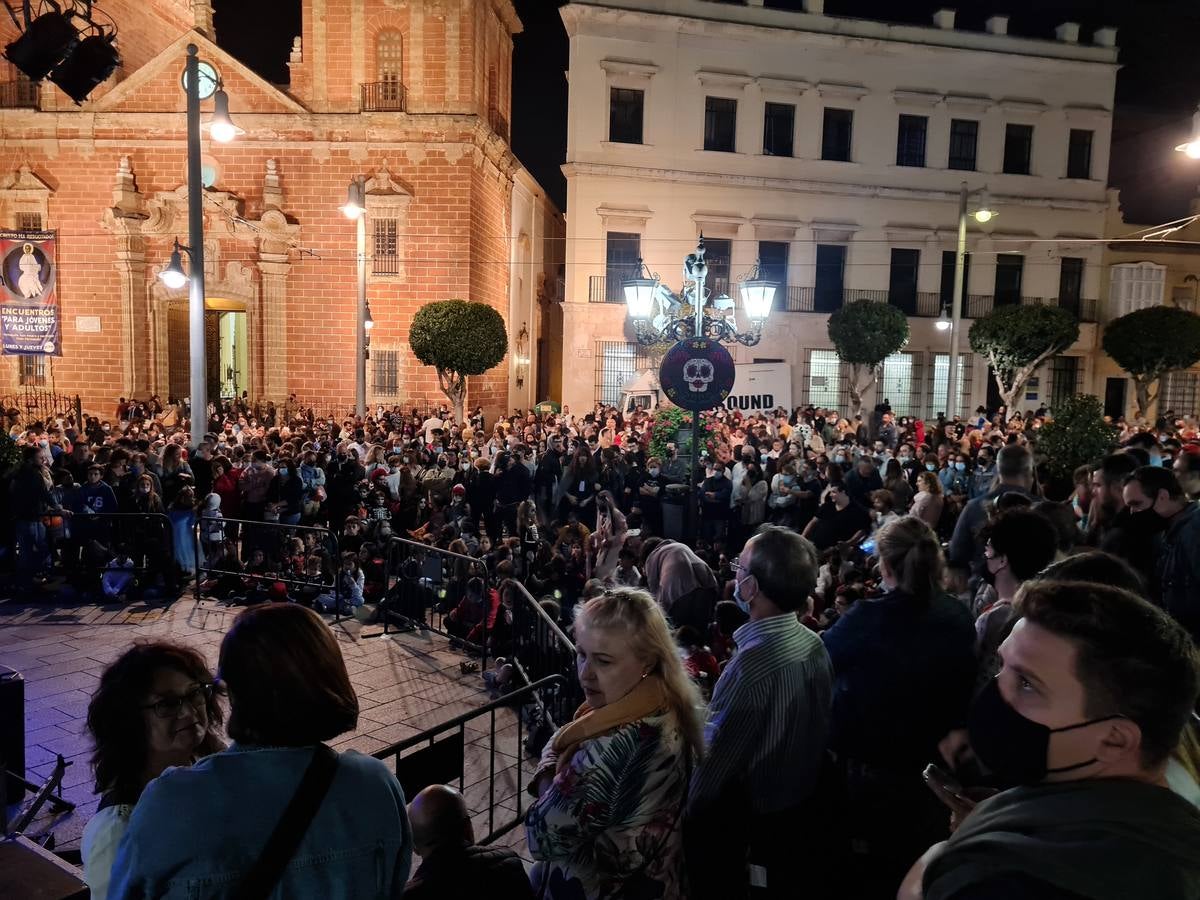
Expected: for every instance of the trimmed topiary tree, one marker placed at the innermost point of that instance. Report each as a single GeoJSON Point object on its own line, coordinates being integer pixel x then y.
{"type": "Point", "coordinates": [1018, 339]}
{"type": "Point", "coordinates": [458, 338]}
{"type": "Point", "coordinates": [1149, 343]}
{"type": "Point", "coordinates": [1076, 435]}
{"type": "Point", "coordinates": [865, 333]}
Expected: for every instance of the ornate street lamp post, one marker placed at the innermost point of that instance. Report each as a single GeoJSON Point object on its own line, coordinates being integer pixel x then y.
{"type": "Point", "coordinates": [697, 372]}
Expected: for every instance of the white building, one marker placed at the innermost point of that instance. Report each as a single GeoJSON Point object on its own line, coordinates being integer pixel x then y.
{"type": "Point", "coordinates": [832, 150]}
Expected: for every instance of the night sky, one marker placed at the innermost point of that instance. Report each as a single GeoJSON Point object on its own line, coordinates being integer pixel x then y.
{"type": "Point", "coordinates": [1157, 89]}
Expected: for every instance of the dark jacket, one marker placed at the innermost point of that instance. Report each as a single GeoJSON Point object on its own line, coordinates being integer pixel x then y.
{"type": "Point", "coordinates": [1100, 839]}
{"type": "Point", "coordinates": [1179, 570]}
{"type": "Point", "coordinates": [472, 872]}
{"type": "Point", "coordinates": [514, 484]}
{"type": "Point", "coordinates": [28, 495]}
{"type": "Point", "coordinates": [903, 676]}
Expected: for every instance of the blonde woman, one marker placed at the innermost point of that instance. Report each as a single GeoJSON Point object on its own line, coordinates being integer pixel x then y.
{"type": "Point", "coordinates": [928, 502]}
{"type": "Point", "coordinates": [612, 783]}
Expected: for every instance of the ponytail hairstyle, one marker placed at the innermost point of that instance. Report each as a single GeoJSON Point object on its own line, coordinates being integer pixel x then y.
{"type": "Point", "coordinates": [635, 613]}
{"type": "Point", "coordinates": [913, 553]}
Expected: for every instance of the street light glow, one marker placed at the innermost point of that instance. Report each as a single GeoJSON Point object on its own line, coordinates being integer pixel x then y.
{"type": "Point", "coordinates": [983, 215]}
{"type": "Point", "coordinates": [353, 207]}
{"type": "Point", "coordinates": [221, 127]}
{"type": "Point", "coordinates": [173, 275]}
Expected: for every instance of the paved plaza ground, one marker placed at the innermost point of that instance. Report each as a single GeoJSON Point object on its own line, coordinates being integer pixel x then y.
{"type": "Point", "coordinates": [405, 683]}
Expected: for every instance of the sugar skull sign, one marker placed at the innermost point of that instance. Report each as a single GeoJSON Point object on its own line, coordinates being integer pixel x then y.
{"type": "Point", "coordinates": [697, 374]}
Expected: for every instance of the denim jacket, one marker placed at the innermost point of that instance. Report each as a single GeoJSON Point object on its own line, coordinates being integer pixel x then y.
{"type": "Point", "coordinates": [196, 831]}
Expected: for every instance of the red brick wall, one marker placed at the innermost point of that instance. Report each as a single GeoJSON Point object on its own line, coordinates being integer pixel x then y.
{"type": "Point", "coordinates": [454, 242]}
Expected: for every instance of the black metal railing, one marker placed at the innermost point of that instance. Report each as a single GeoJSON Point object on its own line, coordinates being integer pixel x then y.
{"type": "Point", "coordinates": [19, 94]}
{"type": "Point", "coordinates": [441, 754]}
{"type": "Point", "coordinates": [497, 120]}
{"type": "Point", "coordinates": [36, 404]}
{"type": "Point", "coordinates": [606, 289]}
{"type": "Point", "coordinates": [385, 264]}
{"type": "Point", "coordinates": [382, 96]}
{"type": "Point", "coordinates": [805, 298]}
{"type": "Point", "coordinates": [117, 555]}
{"type": "Point", "coordinates": [427, 590]}
{"type": "Point", "coordinates": [227, 569]}
{"type": "Point", "coordinates": [541, 649]}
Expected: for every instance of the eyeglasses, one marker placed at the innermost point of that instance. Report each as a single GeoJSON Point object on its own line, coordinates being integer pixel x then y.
{"type": "Point", "coordinates": [196, 696]}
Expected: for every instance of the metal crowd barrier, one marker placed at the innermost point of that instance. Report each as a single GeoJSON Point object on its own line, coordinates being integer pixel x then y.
{"type": "Point", "coordinates": [439, 756]}
{"type": "Point", "coordinates": [242, 537]}
{"type": "Point", "coordinates": [133, 551]}
{"type": "Point", "coordinates": [426, 588]}
{"type": "Point", "coordinates": [541, 650]}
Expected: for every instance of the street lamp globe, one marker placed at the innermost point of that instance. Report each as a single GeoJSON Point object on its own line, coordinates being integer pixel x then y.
{"type": "Point", "coordinates": [1191, 148]}
{"type": "Point", "coordinates": [221, 127]}
{"type": "Point", "coordinates": [943, 321]}
{"type": "Point", "coordinates": [173, 275]}
{"type": "Point", "coordinates": [758, 296]}
{"type": "Point", "coordinates": [639, 294]}
{"type": "Point", "coordinates": [354, 205]}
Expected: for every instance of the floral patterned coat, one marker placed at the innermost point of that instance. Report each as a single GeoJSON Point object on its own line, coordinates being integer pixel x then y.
{"type": "Point", "coordinates": [610, 825]}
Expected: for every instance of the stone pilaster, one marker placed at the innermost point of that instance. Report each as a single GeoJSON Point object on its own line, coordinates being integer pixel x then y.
{"type": "Point", "coordinates": [272, 319]}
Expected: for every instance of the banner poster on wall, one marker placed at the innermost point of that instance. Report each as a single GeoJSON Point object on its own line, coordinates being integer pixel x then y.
{"type": "Point", "coordinates": [29, 311]}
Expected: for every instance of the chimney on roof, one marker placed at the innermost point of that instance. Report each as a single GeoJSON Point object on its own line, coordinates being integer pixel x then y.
{"type": "Point", "coordinates": [1105, 37]}
{"type": "Point", "coordinates": [1068, 32]}
{"type": "Point", "coordinates": [997, 25]}
{"type": "Point", "coordinates": [816, 7]}
{"type": "Point", "coordinates": [944, 19]}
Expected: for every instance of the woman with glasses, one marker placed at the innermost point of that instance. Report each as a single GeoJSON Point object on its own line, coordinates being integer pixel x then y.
{"type": "Point", "coordinates": [156, 707]}
{"type": "Point", "coordinates": [279, 813]}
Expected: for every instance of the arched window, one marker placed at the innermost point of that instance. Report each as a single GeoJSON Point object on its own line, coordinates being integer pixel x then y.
{"type": "Point", "coordinates": [389, 65]}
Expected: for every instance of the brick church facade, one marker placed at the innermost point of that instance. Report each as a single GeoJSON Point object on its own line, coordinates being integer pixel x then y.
{"type": "Point", "coordinates": [414, 96]}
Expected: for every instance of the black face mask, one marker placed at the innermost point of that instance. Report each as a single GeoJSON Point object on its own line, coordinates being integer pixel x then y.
{"type": "Point", "coordinates": [1147, 522]}
{"type": "Point", "coordinates": [1011, 746]}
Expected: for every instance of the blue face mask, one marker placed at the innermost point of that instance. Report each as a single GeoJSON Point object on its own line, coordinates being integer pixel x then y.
{"type": "Point", "coordinates": [743, 605]}
{"type": "Point", "coordinates": [931, 467]}
{"type": "Point", "coordinates": [1156, 459]}
{"type": "Point", "coordinates": [960, 466]}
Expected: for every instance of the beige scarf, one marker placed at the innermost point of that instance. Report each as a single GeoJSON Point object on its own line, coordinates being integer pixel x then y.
{"type": "Point", "coordinates": [646, 699]}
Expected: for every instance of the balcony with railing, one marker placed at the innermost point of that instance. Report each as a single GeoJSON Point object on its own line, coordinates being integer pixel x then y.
{"type": "Point", "coordinates": [382, 96]}
{"type": "Point", "coordinates": [809, 299]}
{"type": "Point", "coordinates": [498, 122]}
{"type": "Point", "coordinates": [19, 94]}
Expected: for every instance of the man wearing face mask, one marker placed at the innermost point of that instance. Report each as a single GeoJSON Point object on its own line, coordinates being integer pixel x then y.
{"type": "Point", "coordinates": [766, 733]}
{"type": "Point", "coordinates": [1020, 543]}
{"type": "Point", "coordinates": [1095, 691]}
{"type": "Point", "coordinates": [1154, 491]}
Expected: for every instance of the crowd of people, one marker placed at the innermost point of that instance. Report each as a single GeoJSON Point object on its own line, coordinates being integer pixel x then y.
{"type": "Point", "coordinates": [897, 660]}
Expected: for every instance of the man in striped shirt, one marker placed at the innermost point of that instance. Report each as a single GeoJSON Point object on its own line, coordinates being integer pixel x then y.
{"type": "Point", "coordinates": [766, 733]}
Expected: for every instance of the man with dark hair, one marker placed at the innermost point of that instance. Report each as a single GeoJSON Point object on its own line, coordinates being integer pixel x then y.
{"type": "Point", "coordinates": [1096, 688]}
{"type": "Point", "coordinates": [838, 520]}
{"type": "Point", "coordinates": [767, 728]}
{"type": "Point", "coordinates": [1014, 469]}
{"type": "Point", "coordinates": [452, 864]}
{"type": "Point", "coordinates": [1115, 528]}
{"type": "Point", "coordinates": [1155, 491]}
{"type": "Point", "coordinates": [1019, 544]}
{"type": "Point", "coordinates": [1187, 470]}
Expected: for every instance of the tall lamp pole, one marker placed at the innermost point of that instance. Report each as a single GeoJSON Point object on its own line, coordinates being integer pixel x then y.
{"type": "Point", "coordinates": [983, 214]}
{"type": "Point", "coordinates": [197, 360]}
{"type": "Point", "coordinates": [200, 81]}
